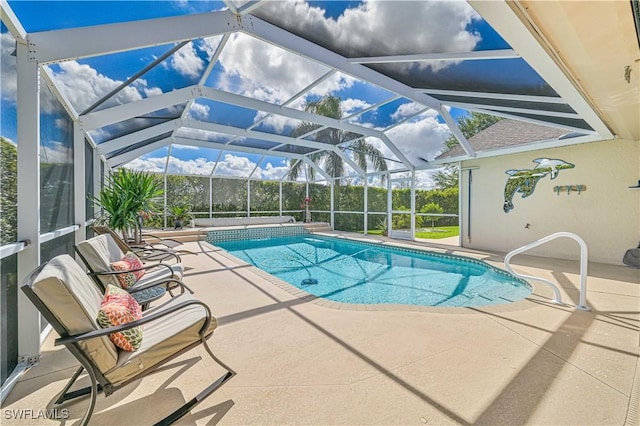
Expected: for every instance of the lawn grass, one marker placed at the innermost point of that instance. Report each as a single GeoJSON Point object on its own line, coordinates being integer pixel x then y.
{"type": "Point", "coordinates": [437, 233]}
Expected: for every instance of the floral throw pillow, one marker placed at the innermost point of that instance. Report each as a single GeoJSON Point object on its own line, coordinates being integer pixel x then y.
{"type": "Point", "coordinates": [117, 308]}
{"type": "Point", "coordinates": [128, 262]}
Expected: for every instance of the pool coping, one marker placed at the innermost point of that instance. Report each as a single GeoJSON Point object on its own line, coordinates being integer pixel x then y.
{"type": "Point", "coordinates": [529, 302]}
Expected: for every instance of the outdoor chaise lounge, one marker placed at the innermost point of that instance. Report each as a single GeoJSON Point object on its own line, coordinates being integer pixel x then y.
{"type": "Point", "coordinates": [147, 253]}
{"type": "Point", "coordinates": [100, 252]}
{"type": "Point", "coordinates": [68, 300]}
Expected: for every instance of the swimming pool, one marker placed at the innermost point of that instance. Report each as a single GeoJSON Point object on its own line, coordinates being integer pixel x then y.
{"type": "Point", "coordinates": [365, 273]}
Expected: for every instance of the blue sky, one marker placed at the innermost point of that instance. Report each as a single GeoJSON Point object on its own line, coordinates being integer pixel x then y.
{"type": "Point", "coordinates": [252, 68]}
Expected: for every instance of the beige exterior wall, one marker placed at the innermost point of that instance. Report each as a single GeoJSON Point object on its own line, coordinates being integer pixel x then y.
{"type": "Point", "coordinates": [606, 215]}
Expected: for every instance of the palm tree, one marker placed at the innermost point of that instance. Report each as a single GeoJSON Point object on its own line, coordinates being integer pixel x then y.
{"type": "Point", "coordinates": [363, 153]}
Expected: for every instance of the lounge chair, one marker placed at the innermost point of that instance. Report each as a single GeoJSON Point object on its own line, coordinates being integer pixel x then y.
{"type": "Point", "coordinates": [67, 299]}
{"type": "Point", "coordinates": [145, 252]}
{"type": "Point", "coordinates": [99, 252]}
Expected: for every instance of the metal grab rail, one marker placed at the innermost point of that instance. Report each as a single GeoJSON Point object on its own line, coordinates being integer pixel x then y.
{"type": "Point", "coordinates": [584, 254]}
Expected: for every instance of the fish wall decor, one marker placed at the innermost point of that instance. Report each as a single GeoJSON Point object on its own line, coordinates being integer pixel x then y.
{"type": "Point", "coordinates": [524, 181]}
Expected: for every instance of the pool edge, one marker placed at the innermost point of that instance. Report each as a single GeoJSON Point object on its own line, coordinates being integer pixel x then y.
{"type": "Point", "coordinates": [528, 302]}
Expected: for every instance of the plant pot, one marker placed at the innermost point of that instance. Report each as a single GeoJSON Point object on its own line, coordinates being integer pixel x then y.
{"type": "Point", "coordinates": [177, 223]}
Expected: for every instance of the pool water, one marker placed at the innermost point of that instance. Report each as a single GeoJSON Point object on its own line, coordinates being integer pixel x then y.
{"type": "Point", "coordinates": [365, 273]}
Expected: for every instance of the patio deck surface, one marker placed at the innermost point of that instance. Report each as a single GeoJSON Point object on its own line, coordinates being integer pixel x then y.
{"type": "Point", "coordinates": [304, 361]}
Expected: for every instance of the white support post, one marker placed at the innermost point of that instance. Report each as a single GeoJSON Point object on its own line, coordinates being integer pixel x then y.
{"type": "Point", "coordinates": [280, 200]}
{"type": "Point", "coordinates": [79, 196]}
{"type": "Point", "coordinates": [28, 117]}
{"type": "Point", "coordinates": [248, 197]}
{"type": "Point", "coordinates": [413, 205]}
{"type": "Point", "coordinates": [164, 206]}
{"type": "Point", "coordinates": [365, 208]}
{"type": "Point", "coordinates": [306, 192]}
{"type": "Point", "coordinates": [460, 240]}
{"type": "Point", "coordinates": [453, 126]}
{"type": "Point", "coordinates": [389, 205]}
{"type": "Point", "coordinates": [333, 204]}
{"type": "Point", "coordinates": [98, 180]}
{"type": "Point", "coordinates": [210, 197]}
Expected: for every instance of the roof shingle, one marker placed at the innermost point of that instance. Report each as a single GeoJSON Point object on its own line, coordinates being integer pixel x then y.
{"type": "Point", "coordinates": [506, 133]}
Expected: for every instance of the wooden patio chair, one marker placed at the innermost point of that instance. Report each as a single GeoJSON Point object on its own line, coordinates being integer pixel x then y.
{"type": "Point", "coordinates": [67, 299]}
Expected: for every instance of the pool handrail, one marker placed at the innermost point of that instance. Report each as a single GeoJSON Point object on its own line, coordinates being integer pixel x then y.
{"type": "Point", "coordinates": [584, 255]}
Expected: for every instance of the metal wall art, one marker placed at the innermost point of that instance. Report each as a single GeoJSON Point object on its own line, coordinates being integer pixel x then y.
{"type": "Point", "coordinates": [524, 181]}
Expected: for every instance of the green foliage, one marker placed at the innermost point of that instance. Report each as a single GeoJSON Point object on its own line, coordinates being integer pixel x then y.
{"type": "Point", "coordinates": [8, 191]}
{"type": "Point", "coordinates": [447, 178]}
{"type": "Point", "coordinates": [229, 195]}
{"type": "Point", "coordinates": [127, 194]}
{"type": "Point", "coordinates": [180, 212]}
{"type": "Point", "coordinates": [320, 197]}
{"type": "Point", "coordinates": [362, 152]}
{"type": "Point", "coordinates": [377, 199]}
{"type": "Point", "coordinates": [382, 227]}
{"type": "Point", "coordinates": [188, 190]}
{"type": "Point", "coordinates": [401, 221]}
{"type": "Point", "coordinates": [265, 195]}
{"type": "Point", "coordinates": [429, 208]}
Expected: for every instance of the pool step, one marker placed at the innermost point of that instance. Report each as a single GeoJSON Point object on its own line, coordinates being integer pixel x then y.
{"type": "Point", "coordinates": [318, 227]}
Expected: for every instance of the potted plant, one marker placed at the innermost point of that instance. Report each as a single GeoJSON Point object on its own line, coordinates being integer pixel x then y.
{"type": "Point", "coordinates": [305, 205]}
{"type": "Point", "coordinates": [181, 213]}
{"type": "Point", "coordinates": [127, 196]}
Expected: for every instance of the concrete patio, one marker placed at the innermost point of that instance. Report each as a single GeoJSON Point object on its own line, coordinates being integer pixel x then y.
{"type": "Point", "coordinates": [302, 360]}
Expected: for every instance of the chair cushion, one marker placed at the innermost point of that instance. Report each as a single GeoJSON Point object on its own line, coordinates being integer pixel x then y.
{"type": "Point", "coordinates": [162, 338]}
{"type": "Point", "coordinates": [98, 253]}
{"type": "Point", "coordinates": [74, 300]}
{"type": "Point", "coordinates": [117, 308]}
{"type": "Point", "coordinates": [128, 262]}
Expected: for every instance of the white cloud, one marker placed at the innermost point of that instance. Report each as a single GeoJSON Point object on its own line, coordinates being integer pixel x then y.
{"type": "Point", "coordinates": [377, 28]}
{"type": "Point", "coordinates": [187, 62]}
{"type": "Point", "coordinates": [262, 71]}
{"type": "Point", "coordinates": [56, 152]}
{"type": "Point", "coordinates": [406, 110]}
{"type": "Point", "coordinates": [210, 44]}
{"type": "Point", "coordinates": [83, 85]}
{"type": "Point", "coordinates": [153, 164]}
{"type": "Point", "coordinates": [198, 166]}
{"type": "Point", "coordinates": [230, 165]}
{"type": "Point", "coordinates": [350, 106]}
{"type": "Point", "coordinates": [199, 111]}
{"type": "Point", "coordinates": [272, 172]}
{"type": "Point", "coordinates": [177, 147]}
{"type": "Point", "coordinates": [142, 86]}
{"type": "Point", "coordinates": [278, 123]}
{"type": "Point", "coordinates": [8, 70]}
{"type": "Point", "coordinates": [62, 123]}
{"type": "Point", "coordinates": [424, 179]}
{"type": "Point", "coordinates": [423, 137]}
{"type": "Point", "coordinates": [203, 135]}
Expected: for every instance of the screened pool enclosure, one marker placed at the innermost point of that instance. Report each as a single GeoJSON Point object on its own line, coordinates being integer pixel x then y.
{"type": "Point", "coordinates": [216, 99]}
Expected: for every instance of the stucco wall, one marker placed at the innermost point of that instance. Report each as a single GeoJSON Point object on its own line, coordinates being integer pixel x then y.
{"type": "Point", "coordinates": [606, 215]}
